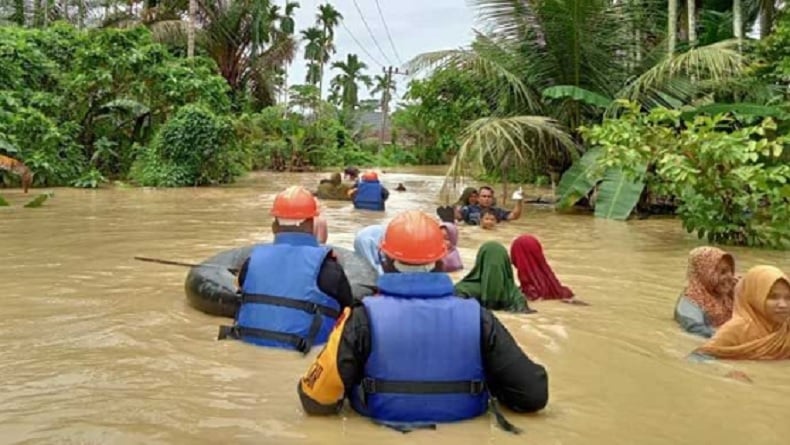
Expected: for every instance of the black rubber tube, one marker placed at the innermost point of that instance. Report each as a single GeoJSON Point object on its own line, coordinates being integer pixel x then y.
{"type": "Point", "coordinates": [213, 289]}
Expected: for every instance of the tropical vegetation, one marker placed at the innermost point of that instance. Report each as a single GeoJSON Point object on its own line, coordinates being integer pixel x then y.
{"type": "Point", "coordinates": [628, 108]}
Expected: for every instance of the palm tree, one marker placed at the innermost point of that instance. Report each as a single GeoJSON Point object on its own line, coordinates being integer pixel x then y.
{"type": "Point", "coordinates": [328, 18]}
{"type": "Point", "coordinates": [313, 54]}
{"type": "Point", "coordinates": [556, 64]}
{"type": "Point", "coordinates": [385, 85]}
{"type": "Point", "coordinates": [345, 84]}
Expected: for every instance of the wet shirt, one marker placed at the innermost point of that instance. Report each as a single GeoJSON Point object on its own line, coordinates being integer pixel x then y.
{"type": "Point", "coordinates": [471, 214]}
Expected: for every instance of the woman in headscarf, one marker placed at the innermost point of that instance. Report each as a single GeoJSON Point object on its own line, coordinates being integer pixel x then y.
{"type": "Point", "coordinates": [452, 261]}
{"type": "Point", "coordinates": [468, 197]}
{"type": "Point", "coordinates": [366, 244]}
{"type": "Point", "coordinates": [491, 281]}
{"type": "Point", "coordinates": [760, 324]}
{"type": "Point", "coordinates": [707, 300]}
{"type": "Point", "coordinates": [537, 280]}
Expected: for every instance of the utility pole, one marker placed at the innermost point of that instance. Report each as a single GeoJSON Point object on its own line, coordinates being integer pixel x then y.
{"type": "Point", "coordinates": [385, 100]}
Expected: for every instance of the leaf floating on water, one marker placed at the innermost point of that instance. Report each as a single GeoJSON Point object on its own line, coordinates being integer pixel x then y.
{"type": "Point", "coordinates": [37, 201]}
{"type": "Point", "coordinates": [3, 202]}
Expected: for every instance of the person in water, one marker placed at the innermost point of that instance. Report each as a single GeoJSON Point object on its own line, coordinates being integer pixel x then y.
{"type": "Point", "coordinates": [536, 278]}
{"type": "Point", "coordinates": [333, 188]}
{"type": "Point", "coordinates": [292, 290]}
{"type": "Point", "coordinates": [468, 197]}
{"type": "Point", "coordinates": [707, 301]}
{"type": "Point", "coordinates": [452, 261]}
{"type": "Point", "coordinates": [471, 214]}
{"type": "Point", "coordinates": [488, 219]}
{"type": "Point", "coordinates": [760, 325]}
{"type": "Point", "coordinates": [491, 281]}
{"type": "Point", "coordinates": [366, 245]}
{"type": "Point", "coordinates": [351, 173]}
{"type": "Point", "coordinates": [369, 194]}
{"type": "Point", "coordinates": [415, 354]}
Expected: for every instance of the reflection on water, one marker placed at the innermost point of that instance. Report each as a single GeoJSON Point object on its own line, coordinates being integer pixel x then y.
{"type": "Point", "coordinates": [99, 348]}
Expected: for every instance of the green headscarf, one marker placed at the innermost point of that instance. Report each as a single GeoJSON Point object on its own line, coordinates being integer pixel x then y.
{"type": "Point", "coordinates": [491, 280]}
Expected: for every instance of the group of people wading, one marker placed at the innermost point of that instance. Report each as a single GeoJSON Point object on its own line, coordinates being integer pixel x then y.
{"type": "Point", "coordinates": [422, 350]}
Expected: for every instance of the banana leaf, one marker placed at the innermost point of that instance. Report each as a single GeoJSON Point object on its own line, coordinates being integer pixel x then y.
{"type": "Point", "coordinates": [576, 93]}
{"type": "Point", "coordinates": [746, 109]}
{"type": "Point", "coordinates": [578, 180]}
{"type": "Point", "coordinates": [618, 195]}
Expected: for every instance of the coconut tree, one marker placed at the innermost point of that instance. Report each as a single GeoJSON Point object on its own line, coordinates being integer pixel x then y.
{"type": "Point", "coordinates": [313, 37]}
{"type": "Point", "coordinates": [557, 64]}
{"type": "Point", "coordinates": [345, 84]}
{"type": "Point", "coordinates": [328, 18]}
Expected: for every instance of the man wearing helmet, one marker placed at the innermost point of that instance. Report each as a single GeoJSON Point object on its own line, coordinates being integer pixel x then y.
{"type": "Point", "coordinates": [417, 355]}
{"type": "Point", "coordinates": [368, 193]}
{"type": "Point", "coordinates": [293, 289]}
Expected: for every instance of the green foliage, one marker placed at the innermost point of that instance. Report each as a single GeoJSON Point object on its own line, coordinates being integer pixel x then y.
{"type": "Point", "coordinates": [74, 103]}
{"type": "Point", "coordinates": [773, 55]}
{"type": "Point", "coordinates": [731, 181]}
{"type": "Point", "coordinates": [197, 147]}
{"type": "Point", "coordinates": [440, 108]}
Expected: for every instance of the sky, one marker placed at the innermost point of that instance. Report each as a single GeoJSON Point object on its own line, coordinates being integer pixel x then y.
{"type": "Point", "coordinates": [416, 27]}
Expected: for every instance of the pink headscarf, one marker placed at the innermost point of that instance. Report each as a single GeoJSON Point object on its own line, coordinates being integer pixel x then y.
{"type": "Point", "coordinates": [452, 261]}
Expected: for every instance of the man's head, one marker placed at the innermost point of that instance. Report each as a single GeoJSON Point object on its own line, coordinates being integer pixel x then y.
{"type": "Point", "coordinates": [351, 173]}
{"type": "Point", "coordinates": [413, 242]}
{"type": "Point", "coordinates": [294, 210]}
{"type": "Point", "coordinates": [488, 218]}
{"type": "Point", "coordinates": [485, 197]}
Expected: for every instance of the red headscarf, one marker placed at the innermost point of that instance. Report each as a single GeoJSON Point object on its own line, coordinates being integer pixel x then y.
{"type": "Point", "coordinates": [538, 281]}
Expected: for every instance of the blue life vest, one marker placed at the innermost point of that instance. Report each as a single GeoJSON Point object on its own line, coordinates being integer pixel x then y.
{"type": "Point", "coordinates": [281, 304]}
{"type": "Point", "coordinates": [425, 361]}
{"type": "Point", "coordinates": [368, 196]}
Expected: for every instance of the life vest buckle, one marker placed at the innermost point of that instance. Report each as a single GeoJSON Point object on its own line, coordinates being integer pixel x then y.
{"type": "Point", "coordinates": [476, 387]}
{"type": "Point", "coordinates": [369, 385]}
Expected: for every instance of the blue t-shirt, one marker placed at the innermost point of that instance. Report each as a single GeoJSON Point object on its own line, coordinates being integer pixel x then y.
{"type": "Point", "coordinates": [471, 214]}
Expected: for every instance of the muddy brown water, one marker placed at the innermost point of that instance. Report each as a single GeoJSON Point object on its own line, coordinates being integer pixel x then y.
{"type": "Point", "coordinates": [99, 348]}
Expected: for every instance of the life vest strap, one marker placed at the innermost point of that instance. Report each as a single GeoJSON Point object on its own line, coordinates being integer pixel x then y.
{"type": "Point", "coordinates": [301, 344]}
{"type": "Point", "coordinates": [310, 308]}
{"type": "Point", "coordinates": [373, 386]}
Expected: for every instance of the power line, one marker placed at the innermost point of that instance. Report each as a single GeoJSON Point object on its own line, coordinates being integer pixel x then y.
{"type": "Point", "coordinates": [389, 36]}
{"type": "Point", "coordinates": [360, 45]}
{"type": "Point", "coordinates": [375, 42]}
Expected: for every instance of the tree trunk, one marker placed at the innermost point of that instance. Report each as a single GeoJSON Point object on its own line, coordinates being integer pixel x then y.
{"type": "Point", "coordinates": [737, 22]}
{"type": "Point", "coordinates": [692, 19]}
{"type": "Point", "coordinates": [191, 29]}
{"type": "Point", "coordinates": [766, 19]}
{"type": "Point", "coordinates": [19, 12]}
{"type": "Point", "coordinates": [81, 10]}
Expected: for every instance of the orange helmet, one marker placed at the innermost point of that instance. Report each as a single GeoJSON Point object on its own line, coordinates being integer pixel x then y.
{"type": "Point", "coordinates": [413, 237]}
{"type": "Point", "coordinates": [370, 176]}
{"type": "Point", "coordinates": [295, 203]}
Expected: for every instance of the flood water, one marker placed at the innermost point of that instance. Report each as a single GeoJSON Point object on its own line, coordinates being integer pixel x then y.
{"type": "Point", "coordinates": [99, 348]}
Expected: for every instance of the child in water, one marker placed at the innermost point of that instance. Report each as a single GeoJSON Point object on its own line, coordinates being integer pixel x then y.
{"type": "Point", "coordinates": [488, 219]}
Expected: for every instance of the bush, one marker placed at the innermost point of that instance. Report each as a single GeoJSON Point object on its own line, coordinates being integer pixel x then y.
{"type": "Point", "coordinates": [195, 147]}
{"type": "Point", "coordinates": [730, 179]}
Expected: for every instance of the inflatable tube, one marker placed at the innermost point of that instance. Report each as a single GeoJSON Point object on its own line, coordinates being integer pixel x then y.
{"type": "Point", "coordinates": [211, 287]}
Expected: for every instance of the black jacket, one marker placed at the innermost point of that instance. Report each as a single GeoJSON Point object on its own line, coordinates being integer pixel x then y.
{"type": "Point", "coordinates": [511, 377]}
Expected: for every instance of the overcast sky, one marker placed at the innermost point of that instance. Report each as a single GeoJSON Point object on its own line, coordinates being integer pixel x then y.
{"type": "Point", "coordinates": [416, 26]}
